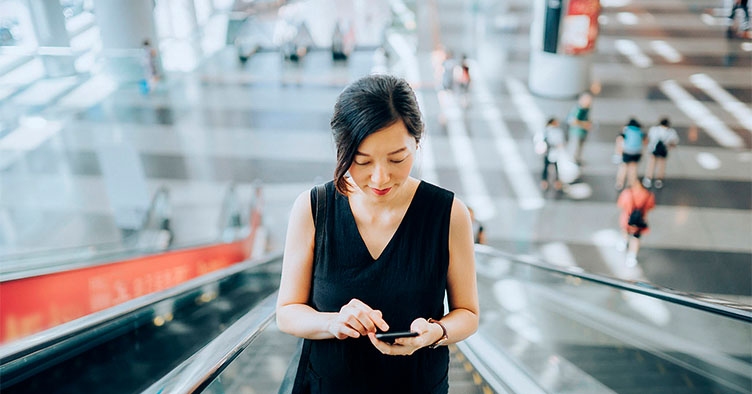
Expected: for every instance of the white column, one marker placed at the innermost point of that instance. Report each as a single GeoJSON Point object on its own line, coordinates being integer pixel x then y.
{"type": "Point", "coordinates": [123, 28]}
{"type": "Point", "coordinates": [52, 37]}
{"type": "Point", "coordinates": [555, 73]}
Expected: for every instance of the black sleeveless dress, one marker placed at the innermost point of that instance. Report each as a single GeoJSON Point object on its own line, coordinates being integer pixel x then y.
{"type": "Point", "coordinates": [407, 281]}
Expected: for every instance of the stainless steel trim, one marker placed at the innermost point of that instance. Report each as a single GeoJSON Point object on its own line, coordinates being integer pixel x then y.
{"type": "Point", "coordinates": [196, 373]}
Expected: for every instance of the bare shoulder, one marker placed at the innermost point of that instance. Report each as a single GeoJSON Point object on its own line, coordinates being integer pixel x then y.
{"type": "Point", "coordinates": [301, 213]}
{"type": "Point", "coordinates": [460, 213]}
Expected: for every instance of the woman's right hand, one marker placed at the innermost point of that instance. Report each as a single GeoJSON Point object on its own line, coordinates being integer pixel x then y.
{"type": "Point", "coordinates": [356, 319]}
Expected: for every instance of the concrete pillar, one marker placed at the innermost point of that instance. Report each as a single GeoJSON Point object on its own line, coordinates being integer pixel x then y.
{"type": "Point", "coordinates": [562, 37]}
{"type": "Point", "coordinates": [123, 28]}
{"type": "Point", "coordinates": [52, 37]}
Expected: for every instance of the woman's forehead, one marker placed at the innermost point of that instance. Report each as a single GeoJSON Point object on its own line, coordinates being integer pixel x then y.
{"type": "Point", "coordinates": [388, 140]}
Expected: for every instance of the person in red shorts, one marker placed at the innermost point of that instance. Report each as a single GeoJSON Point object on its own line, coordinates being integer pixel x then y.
{"type": "Point", "coordinates": [635, 203]}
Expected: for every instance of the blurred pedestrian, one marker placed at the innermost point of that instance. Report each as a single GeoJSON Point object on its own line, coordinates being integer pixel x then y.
{"type": "Point", "coordinates": [151, 67]}
{"type": "Point", "coordinates": [629, 144]}
{"type": "Point", "coordinates": [462, 79]}
{"type": "Point", "coordinates": [551, 145]}
{"type": "Point", "coordinates": [579, 125]}
{"type": "Point", "coordinates": [744, 26]}
{"type": "Point", "coordinates": [447, 71]}
{"type": "Point", "coordinates": [635, 202]}
{"type": "Point", "coordinates": [661, 139]}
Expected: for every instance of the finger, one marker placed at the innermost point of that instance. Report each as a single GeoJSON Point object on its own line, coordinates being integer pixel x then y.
{"type": "Point", "coordinates": [354, 323]}
{"type": "Point", "coordinates": [368, 317]}
{"type": "Point", "coordinates": [378, 320]}
{"type": "Point", "coordinates": [381, 346]}
{"type": "Point", "coordinates": [347, 332]}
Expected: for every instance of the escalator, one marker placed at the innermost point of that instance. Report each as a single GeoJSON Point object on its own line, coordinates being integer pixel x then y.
{"type": "Point", "coordinates": [115, 317]}
{"type": "Point", "coordinates": [544, 329]}
{"type": "Point", "coordinates": [144, 340]}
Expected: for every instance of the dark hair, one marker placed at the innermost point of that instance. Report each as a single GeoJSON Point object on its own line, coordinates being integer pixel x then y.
{"type": "Point", "coordinates": [634, 123]}
{"type": "Point", "coordinates": [365, 107]}
{"type": "Point", "coordinates": [551, 120]}
{"type": "Point", "coordinates": [665, 122]}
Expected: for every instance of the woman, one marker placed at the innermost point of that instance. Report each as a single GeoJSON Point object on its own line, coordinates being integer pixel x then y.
{"type": "Point", "coordinates": [661, 139]}
{"type": "Point", "coordinates": [393, 246]}
{"type": "Point", "coordinates": [635, 202]}
{"type": "Point", "coordinates": [553, 137]}
{"type": "Point", "coordinates": [629, 144]}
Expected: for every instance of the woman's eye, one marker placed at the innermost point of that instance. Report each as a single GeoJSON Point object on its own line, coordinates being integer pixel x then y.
{"type": "Point", "coordinates": [399, 161]}
{"type": "Point", "coordinates": [362, 164]}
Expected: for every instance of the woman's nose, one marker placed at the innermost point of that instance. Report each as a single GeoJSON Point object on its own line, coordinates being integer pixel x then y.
{"type": "Point", "coordinates": [380, 175]}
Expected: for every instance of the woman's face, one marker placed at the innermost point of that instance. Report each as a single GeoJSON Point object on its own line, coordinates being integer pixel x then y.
{"type": "Point", "coordinates": [383, 161]}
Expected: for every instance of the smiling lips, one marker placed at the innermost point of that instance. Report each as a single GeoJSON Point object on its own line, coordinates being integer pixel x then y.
{"type": "Point", "coordinates": [381, 192]}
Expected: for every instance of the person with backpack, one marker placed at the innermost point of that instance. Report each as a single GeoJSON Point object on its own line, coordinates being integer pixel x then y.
{"type": "Point", "coordinates": [550, 145]}
{"type": "Point", "coordinates": [629, 145]}
{"type": "Point", "coordinates": [635, 203]}
{"type": "Point", "coordinates": [661, 139]}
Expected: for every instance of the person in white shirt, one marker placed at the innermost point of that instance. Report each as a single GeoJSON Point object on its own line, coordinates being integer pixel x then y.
{"type": "Point", "coordinates": [551, 143]}
{"type": "Point", "coordinates": [661, 139]}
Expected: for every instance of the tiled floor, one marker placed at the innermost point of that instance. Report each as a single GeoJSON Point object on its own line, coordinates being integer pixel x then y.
{"type": "Point", "coordinates": [268, 120]}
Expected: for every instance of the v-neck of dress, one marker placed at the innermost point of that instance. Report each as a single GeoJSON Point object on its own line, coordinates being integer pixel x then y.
{"type": "Point", "coordinates": [394, 234]}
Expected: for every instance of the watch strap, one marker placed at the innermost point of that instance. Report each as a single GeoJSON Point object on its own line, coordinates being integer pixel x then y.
{"type": "Point", "coordinates": [444, 336]}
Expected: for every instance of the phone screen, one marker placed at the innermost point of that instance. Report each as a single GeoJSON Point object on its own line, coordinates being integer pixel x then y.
{"type": "Point", "coordinates": [391, 336]}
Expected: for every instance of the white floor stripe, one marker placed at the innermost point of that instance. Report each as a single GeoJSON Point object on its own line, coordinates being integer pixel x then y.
{"type": "Point", "coordinates": [32, 133]}
{"type": "Point", "coordinates": [735, 107]}
{"type": "Point", "coordinates": [472, 181]}
{"type": "Point", "coordinates": [557, 253]}
{"type": "Point", "coordinates": [514, 167]}
{"type": "Point", "coordinates": [24, 74]}
{"type": "Point", "coordinates": [701, 115]}
{"type": "Point", "coordinates": [635, 55]}
{"type": "Point", "coordinates": [667, 51]}
{"type": "Point", "coordinates": [410, 63]}
{"type": "Point", "coordinates": [44, 91]}
{"type": "Point", "coordinates": [89, 93]}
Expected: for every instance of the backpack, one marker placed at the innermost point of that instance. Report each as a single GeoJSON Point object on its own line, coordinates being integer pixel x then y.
{"type": "Point", "coordinates": [632, 140]}
{"type": "Point", "coordinates": [660, 149]}
{"type": "Point", "coordinates": [637, 217]}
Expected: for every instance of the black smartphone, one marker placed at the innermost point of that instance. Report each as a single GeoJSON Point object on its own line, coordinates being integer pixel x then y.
{"type": "Point", "coordinates": [389, 337]}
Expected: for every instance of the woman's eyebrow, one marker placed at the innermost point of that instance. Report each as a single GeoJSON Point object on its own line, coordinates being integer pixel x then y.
{"type": "Point", "coordinates": [359, 153]}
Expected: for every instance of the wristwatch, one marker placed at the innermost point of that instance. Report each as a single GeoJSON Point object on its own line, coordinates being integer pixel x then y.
{"type": "Point", "coordinates": [443, 338]}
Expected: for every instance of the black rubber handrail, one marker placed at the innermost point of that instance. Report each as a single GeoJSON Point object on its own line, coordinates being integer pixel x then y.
{"type": "Point", "coordinates": [21, 352]}
{"type": "Point", "coordinates": [702, 302]}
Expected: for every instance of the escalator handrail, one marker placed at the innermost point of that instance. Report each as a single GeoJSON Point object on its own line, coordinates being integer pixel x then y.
{"type": "Point", "coordinates": [103, 257]}
{"type": "Point", "coordinates": [197, 372]}
{"type": "Point", "coordinates": [697, 301]}
{"type": "Point", "coordinates": [86, 327]}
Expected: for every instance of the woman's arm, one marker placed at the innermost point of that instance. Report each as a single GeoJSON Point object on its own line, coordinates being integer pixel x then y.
{"type": "Point", "coordinates": [294, 315]}
{"type": "Point", "coordinates": [462, 291]}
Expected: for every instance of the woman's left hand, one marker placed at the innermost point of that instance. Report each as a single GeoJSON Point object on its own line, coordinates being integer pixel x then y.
{"type": "Point", "coordinates": [428, 333]}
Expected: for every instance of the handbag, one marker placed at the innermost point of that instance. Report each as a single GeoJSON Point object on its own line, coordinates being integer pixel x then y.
{"type": "Point", "coordinates": [299, 363]}
{"type": "Point", "coordinates": [569, 171]}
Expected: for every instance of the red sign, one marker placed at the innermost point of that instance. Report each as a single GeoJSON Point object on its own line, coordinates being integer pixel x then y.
{"type": "Point", "coordinates": [30, 305]}
{"type": "Point", "coordinates": [580, 28]}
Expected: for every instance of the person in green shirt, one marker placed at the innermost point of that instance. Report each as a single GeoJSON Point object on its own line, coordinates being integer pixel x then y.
{"type": "Point", "coordinates": [579, 125]}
